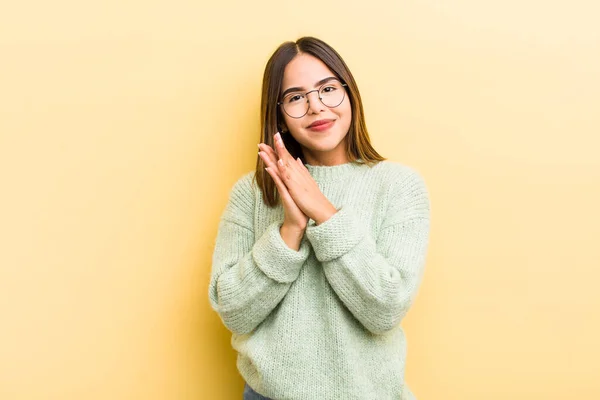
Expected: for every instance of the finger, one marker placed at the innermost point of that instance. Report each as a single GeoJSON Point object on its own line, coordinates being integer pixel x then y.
{"type": "Point", "coordinates": [278, 167]}
{"type": "Point", "coordinates": [278, 182]}
{"type": "Point", "coordinates": [281, 188]}
{"type": "Point", "coordinates": [303, 166]}
{"type": "Point", "coordinates": [286, 165]}
{"type": "Point", "coordinates": [304, 172]}
{"type": "Point", "coordinates": [269, 161]}
{"type": "Point", "coordinates": [269, 151]}
{"type": "Point", "coordinates": [271, 155]}
{"type": "Point", "coordinates": [280, 147]}
{"type": "Point", "coordinates": [281, 167]}
{"type": "Point", "coordinates": [286, 168]}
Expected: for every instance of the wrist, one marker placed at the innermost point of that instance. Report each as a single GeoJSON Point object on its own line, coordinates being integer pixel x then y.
{"type": "Point", "coordinates": [323, 215]}
{"type": "Point", "coordinates": [292, 228]}
{"type": "Point", "coordinates": [292, 236]}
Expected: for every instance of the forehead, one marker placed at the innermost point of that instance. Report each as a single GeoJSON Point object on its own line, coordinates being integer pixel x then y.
{"type": "Point", "coordinates": [304, 71]}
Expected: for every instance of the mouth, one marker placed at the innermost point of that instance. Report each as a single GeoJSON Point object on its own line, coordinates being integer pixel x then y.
{"type": "Point", "coordinates": [321, 125]}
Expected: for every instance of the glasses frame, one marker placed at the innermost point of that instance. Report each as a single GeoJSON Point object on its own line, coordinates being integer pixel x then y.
{"type": "Point", "coordinates": [280, 103]}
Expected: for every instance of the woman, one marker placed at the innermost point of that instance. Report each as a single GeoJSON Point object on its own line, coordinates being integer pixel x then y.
{"type": "Point", "coordinates": [320, 251]}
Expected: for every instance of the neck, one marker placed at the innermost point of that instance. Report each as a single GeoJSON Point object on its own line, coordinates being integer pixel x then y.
{"type": "Point", "coordinates": [330, 158]}
{"type": "Point", "coordinates": [327, 173]}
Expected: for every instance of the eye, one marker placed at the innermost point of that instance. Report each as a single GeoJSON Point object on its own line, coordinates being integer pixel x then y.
{"type": "Point", "coordinates": [294, 98]}
{"type": "Point", "coordinates": [329, 89]}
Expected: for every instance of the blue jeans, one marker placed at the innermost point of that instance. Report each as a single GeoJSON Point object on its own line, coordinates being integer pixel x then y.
{"type": "Point", "coordinates": [250, 394]}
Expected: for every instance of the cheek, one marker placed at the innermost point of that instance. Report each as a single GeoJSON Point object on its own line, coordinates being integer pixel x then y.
{"type": "Point", "coordinates": [346, 112]}
{"type": "Point", "coordinates": [293, 124]}
{"type": "Point", "coordinates": [294, 127]}
{"type": "Point", "coordinates": [346, 109]}
{"type": "Point", "coordinates": [289, 123]}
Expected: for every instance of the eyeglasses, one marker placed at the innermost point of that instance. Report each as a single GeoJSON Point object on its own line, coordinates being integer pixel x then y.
{"type": "Point", "coordinates": [331, 94]}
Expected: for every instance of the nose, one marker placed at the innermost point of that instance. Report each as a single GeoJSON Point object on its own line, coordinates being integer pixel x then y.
{"type": "Point", "coordinates": [315, 105]}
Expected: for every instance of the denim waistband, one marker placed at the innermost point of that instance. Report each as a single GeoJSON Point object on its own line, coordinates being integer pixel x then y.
{"type": "Point", "coordinates": [250, 394]}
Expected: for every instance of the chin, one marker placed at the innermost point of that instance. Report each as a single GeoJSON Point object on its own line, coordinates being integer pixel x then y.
{"type": "Point", "coordinates": [323, 147]}
{"type": "Point", "coordinates": [322, 141]}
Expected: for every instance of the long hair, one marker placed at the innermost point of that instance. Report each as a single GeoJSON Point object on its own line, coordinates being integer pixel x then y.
{"type": "Point", "coordinates": [358, 145]}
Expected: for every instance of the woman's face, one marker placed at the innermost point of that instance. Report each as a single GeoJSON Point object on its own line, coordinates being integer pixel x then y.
{"type": "Point", "coordinates": [324, 145]}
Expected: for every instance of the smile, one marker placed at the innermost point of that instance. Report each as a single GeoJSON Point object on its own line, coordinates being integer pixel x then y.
{"type": "Point", "coordinates": [322, 127]}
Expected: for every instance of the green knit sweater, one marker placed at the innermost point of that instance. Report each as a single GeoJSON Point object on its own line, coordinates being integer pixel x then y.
{"type": "Point", "coordinates": [323, 323]}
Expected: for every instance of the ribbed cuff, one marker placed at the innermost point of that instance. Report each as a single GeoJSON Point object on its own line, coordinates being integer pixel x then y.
{"type": "Point", "coordinates": [272, 255]}
{"type": "Point", "coordinates": [336, 236]}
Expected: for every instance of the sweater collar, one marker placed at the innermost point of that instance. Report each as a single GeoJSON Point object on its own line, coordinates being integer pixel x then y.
{"type": "Point", "coordinates": [324, 173]}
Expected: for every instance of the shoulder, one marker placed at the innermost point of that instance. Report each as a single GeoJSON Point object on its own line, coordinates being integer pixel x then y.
{"type": "Point", "coordinates": [398, 176]}
{"type": "Point", "coordinates": [242, 195]}
{"type": "Point", "coordinates": [245, 185]}
{"type": "Point", "coordinates": [406, 190]}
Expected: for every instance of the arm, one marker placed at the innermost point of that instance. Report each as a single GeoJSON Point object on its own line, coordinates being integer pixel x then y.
{"type": "Point", "coordinates": [250, 278]}
{"type": "Point", "coordinates": [377, 278]}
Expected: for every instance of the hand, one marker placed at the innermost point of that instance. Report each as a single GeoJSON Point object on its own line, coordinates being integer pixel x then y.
{"type": "Point", "coordinates": [294, 218]}
{"type": "Point", "coordinates": [301, 186]}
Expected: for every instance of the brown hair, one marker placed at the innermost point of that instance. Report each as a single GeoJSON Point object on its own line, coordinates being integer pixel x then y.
{"type": "Point", "coordinates": [358, 145]}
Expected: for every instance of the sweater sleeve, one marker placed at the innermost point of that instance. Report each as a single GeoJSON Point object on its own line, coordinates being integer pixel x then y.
{"type": "Point", "coordinates": [377, 278]}
{"type": "Point", "coordinates": [250, 277]}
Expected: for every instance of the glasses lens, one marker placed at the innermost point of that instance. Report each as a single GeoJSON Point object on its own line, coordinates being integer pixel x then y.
{"type": "Point", "coordinates": [331, 94]}
{"type": "Point", "coordinates": [295, 105]}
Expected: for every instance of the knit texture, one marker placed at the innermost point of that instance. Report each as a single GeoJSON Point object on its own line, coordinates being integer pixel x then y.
{"type": "Point", "coordinates": [323, 323]}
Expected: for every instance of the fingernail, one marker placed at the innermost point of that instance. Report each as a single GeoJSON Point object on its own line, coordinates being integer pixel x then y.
{"type": "Point", "coordinates": [277, 136]}
{"type": "Point", "coordinates": [280, 162]}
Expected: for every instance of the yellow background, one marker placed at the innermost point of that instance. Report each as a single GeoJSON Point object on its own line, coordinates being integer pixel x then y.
{"type": "Point", "coordinates": [123, 125]}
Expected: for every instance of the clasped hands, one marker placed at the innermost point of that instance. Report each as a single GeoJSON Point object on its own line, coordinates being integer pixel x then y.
{"type": "Point", "coordinates": [301, 197]}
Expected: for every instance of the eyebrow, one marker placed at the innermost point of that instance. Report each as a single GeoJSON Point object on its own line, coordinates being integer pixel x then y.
{"type": "Point", "coordinates": [298, 89]}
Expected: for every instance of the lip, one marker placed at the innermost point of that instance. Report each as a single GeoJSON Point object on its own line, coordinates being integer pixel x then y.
{"type": "Point", "coordinates": [321, 125]}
